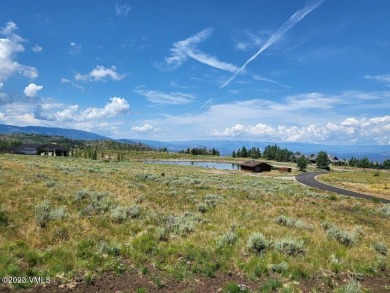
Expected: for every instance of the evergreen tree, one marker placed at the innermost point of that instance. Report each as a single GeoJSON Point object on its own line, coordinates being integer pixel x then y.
{"type": "Point", "coordinates": [323, 161]}
{"type": "Point", "coordinates": [302, 163]}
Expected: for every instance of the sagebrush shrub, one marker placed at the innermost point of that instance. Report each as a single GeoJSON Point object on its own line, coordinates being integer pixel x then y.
{"type": "Point", "coordinates": [385, 210]}
{"type": "Point", "coordinates": [291, 222]}
{"type": "Point", "coordinates": [44, 213]}
{"type": "Point", "coordinates": [352, 286]}
{"type": "Point", "coordinates": [381, 248]}
{"type": "Point", "coordinates": [119, 214]}
{"type": "Point", "coordinates": [212, 200]}
{"type": "Point", "coordinates": [279, 267]}
{"type": "Point", "coordinates": [289, 246]}
{"type": "Point", "coordinates": [183, 224]}
{"type": "Point", "coordinates": [227, 238]}
{"type": "Point", "coordinates": [342, 236]}
{"type": "Point", "coordinates": [257, 242]}
{"type": "Point", "coordinates": [134, 211]}
{"type": "Point", "coordinates": [202, 207]}
{"type": "Point", "coordinates": [162, 233]}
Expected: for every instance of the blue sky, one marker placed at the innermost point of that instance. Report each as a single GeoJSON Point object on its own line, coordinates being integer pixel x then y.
{"type": "Point", "coordinates": [297, 71]}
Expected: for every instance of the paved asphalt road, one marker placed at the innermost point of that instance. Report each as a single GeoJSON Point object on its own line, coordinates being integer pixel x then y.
{"type": "Point", "coordinates": [308, 179]}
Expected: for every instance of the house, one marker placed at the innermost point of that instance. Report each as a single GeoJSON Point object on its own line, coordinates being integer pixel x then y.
{"type": "Point", "coordinates": [255, 166]}
{"type": "Point", "coordinates": [336, 161]}
{"type": "Point", "coordinates": [38, 149]}
{"type": "Point", "coordinates": [52, 150]}
{"type": "Point", "coordinates": [24, 149]}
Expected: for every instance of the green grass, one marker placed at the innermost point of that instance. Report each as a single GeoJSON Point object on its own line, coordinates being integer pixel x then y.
{"type": "Point", "coordinates": [110, 216]}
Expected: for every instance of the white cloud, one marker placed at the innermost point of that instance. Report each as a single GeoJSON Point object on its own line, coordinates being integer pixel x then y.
{"type": "Point", "coordinates": [100, 73]}
{"type": "Point", "coordinates": [181, 50]}
{"type": "Point", "coordinates": [117, 106]}
{"type": "Point", "coordinates": [37, 49]}
{"type": "Point", "coordinates": [122, 9]}
{"type": "Point", "coordinates": [146, 128]}
{"type": "Point", "coordinates": [75, 49]}
{"type": "Point", "coordinates": [381, 78]}
{"type": "Point", "coordinates": [157, 97]}
{"type": "Point", "coordinates": [32, 89]}
{"type": "Point", "coordinates": [10, 46]}
{"type": "Point", "coordinates": [372, 130]}
{"type": "Point", "coordinates": [58, 112]}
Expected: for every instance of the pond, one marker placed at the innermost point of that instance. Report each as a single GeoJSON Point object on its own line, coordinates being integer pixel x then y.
{"type": "Point", "coordinates": [205, 164]}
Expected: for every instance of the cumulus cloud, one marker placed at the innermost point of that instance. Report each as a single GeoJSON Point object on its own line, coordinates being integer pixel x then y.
{"type": "Point", "coordinates": [146, 128]}
{"type": "Point", "coordinates": [365, 130]}
{"type": "Point", "coordinates": [58, 112]}
{"type": "Point", "coordinates": [100, 73]}
{"type": "Point", "coordinates": [10, 46]}
{"type": "Point", "coordinates": [32, 89]}
{"type": "Point", "coordinates": [157, 97]}
{"type": "Point", "coordinates": [181, 50]}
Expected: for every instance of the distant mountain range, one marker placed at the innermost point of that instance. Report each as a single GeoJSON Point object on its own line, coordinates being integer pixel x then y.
{"type": "Point", "coordinates": [69, 133]}
{"type": "Point", "coordinates": [373, 152]}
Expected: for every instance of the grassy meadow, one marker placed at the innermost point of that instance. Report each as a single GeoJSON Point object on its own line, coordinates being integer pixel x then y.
{"type": "Point", "coordinates": [71, 218]}
{"type": "Point", "coordinates": [375, 182]}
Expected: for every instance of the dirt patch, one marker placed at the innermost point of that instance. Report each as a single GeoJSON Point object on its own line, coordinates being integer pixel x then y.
{"type": "Point", "coordinates": [131, 281]}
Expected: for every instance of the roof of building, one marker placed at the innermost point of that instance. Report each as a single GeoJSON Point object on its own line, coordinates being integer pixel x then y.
{"type": "Point", "coordinates": [254, 163]}
{"type": "Point", "coordinates": [51, 147]}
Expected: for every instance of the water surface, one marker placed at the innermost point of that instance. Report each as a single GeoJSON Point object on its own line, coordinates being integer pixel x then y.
{"type": "Point", "coordinates": [205, 164]}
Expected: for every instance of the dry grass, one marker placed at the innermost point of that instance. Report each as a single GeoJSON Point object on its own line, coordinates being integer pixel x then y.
{"type": "Point", "coordinates": [375, 182]}
{"type": "Point", "coordinates": [88, 240]}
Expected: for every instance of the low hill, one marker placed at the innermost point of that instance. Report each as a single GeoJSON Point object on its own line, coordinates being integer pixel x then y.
{"type": "Point", "coordinates": [69, 133]}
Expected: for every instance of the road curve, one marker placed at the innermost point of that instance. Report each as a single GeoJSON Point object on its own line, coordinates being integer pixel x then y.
{"type": "Point", "coordinates": [309, 179]}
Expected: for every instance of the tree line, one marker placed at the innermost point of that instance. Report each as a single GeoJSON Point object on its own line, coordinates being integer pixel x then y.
{"type": "Point", "coordinates": [366, 163]}
{"type": "Point", "coordinates": [201, 151]}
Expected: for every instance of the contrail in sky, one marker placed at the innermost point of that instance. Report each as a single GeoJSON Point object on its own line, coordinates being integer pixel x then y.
{"type": "Point", "coordinates": [294, 19]}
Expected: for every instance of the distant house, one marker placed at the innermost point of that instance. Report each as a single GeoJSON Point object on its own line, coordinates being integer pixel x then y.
{"type": "Point", "coordinates": [38, 149]}
{"type": "Point", "coordinates": [256, 166]}
{"type": "Point", "coordinates": [336, 161]}
{"type": "Point", "coordinates": [52, 150]}
{"type": "Point", "coordinates": [24, 149]}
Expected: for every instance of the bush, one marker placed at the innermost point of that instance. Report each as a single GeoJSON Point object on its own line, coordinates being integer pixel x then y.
{"type": "Point", "coordinates": [202, 207]}
{"type": "Point", "coordinates": [227, 239]}
{"type": "Point", "coordinates": [104, 247]}
{"type": "Point", "coordinates": [352, 286]}
{"type": "Point", "coordinates": [381, 248]}
{"type": "Point", "coordinates": [257, 242]}
{"type": "Point", "coordinates": [44, 213]}
{"type": "Point", "coordinates": [134, 211]}
{"type": "Point", "coordinates": [162, 234]}
{"type": "Point", "coordinates": [385, 210]}
{"type": "Point", "coordinates": [212, 200]}
{"type": "Point", "coordinates": [279, 267]}
{"type": "Point", "coordinates": [291, 222]}
{"type": "Point", "coordinates": [183, 224]}
{"type": "Point", "coordinates": [342, 236]}
{"type": "Point", "coordinates": [119, 214]}
{"type": "Point", "coordinates": [289, 246]}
